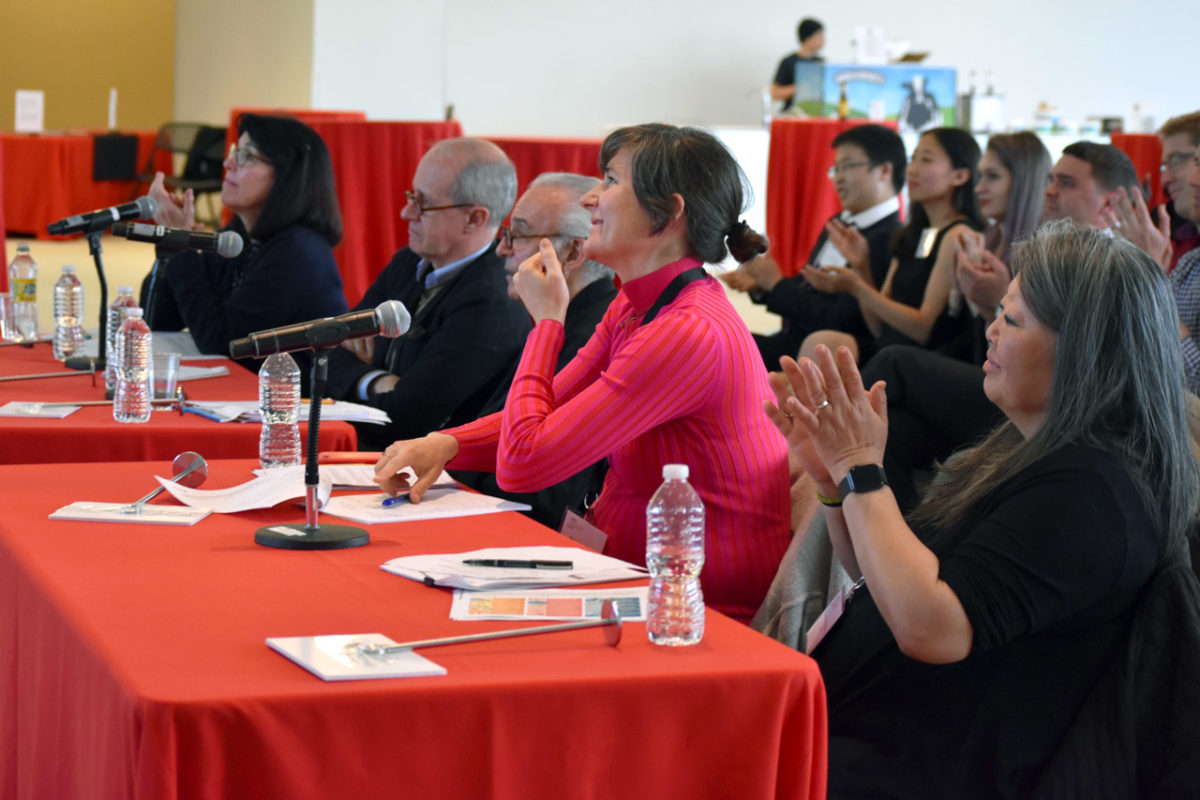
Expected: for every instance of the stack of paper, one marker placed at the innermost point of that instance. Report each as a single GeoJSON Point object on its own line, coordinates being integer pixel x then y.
{"type": "Point", "coordinates": [448, 569]}
{"type": "Point", "coordinates": [268, 488]}
{"type": "Point", "coordinates": [249, 411]}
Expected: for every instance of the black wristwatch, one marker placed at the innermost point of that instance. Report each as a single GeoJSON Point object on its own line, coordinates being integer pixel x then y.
{"type": "Point", "coordinates": [863, 478]}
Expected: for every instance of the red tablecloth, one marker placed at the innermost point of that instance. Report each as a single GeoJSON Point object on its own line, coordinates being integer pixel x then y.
{"type": "Point", "coordinates": [305, 115]}
{"type": "Point", "coordinates": [133, 665]}
{"type": "Point", "coordinates": [50, 177]}
{"type": "Point", "coordinates": [90, 434]}
{"type": "Point", "coordinates": [1145, 151]}
{"type": "Point", "coordinates": [800, 197]}
{"type": "Point", "coordinates": [532, 156]}
{"type": "Point", "coordinates": [374, 163]}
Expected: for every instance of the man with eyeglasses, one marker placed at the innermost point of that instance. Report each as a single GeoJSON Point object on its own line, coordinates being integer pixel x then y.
{"type": "Point", "coordinates": [465, 331]}
{"type": "Point", "coordinates": [1181, 181]}
{"type": "Point", "coordinates": [867, 174]}
{"type": "Point", "coordinates": [550, 209]}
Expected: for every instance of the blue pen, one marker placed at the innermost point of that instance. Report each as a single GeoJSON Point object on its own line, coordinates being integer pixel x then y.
{"type": "Point", "coordinates": [388, 502]}
{"type": "Point", "coordinates": [201, 412]}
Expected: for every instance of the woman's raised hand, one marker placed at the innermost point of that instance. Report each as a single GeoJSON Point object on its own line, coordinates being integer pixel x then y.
{"type": "Point", "coordinates": [426, 456]}
{"type": "Point", "coordinates": [174, 211]}
{"type": "Point", "coordinates": [845, 424]}
{"type": "Point", "coordinates": [541, 285]}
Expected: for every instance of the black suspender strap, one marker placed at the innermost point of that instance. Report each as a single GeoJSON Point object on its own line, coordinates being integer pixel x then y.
{"type": "Point", "coordinates": [672, 291]}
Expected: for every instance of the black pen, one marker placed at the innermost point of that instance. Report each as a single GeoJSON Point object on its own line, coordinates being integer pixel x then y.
{"type": "Point", "coordinates": [508, 563]}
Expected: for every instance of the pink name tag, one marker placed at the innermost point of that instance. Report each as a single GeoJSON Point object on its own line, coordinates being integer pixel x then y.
{"type": "Point", "coordinates": [831, 614]}
{"type": "Point", "coordinates": [580, 530]}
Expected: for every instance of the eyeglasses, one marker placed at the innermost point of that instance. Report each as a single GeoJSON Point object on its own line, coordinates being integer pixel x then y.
{"type": "Point", "coordinates": [840, 169]}
{"type": "Point", "coordinates": [507, 237]}
{"type": "Point", "coordinates": [1177, 161]}
{"type": "Point", "coordinates": [416, 202]}
{"type": "Point", "coordinates": [244, 156]}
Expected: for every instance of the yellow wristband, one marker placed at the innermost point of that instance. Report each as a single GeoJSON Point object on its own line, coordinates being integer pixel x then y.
{"type": "Point", "coordinates": [829, 502]}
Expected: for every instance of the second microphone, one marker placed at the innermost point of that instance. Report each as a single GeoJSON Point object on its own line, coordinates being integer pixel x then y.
{"type": "Point", "coordinates": [226, 244]}
{"type": "Point", "coordinates": [389, 319]}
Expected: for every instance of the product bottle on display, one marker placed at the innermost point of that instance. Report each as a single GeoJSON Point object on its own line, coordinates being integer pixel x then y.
{"type": "Point", "coordinates": [675, 556]}
{"type": "Point", "coordinates": [116, 317]}
{"type": "Point", "coordinates": [279, 400]}
{"type": "Point", "coordinates": [131, 399]}
{"type": "Point", "coordinates": [22, 281]}
{"type": "Point", "coordinates": [68, 315]}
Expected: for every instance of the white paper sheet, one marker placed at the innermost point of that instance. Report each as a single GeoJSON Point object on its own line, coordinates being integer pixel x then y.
{"type": "Point", "coordinates": [438, 503]}
{"type": "Point", "coordinates": [265, 490]}
{"type": "Point", "coordinates": [18, 408]}
{"type": "Point", "coordinates": [248, 411]}
{"type": "Point", "coordinates": [448, 569]}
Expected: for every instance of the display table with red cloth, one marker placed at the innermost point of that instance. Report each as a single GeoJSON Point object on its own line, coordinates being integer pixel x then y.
{"type": "Point", "coordinates": [1145, 151]}
{"type": "Point", "coordinates": [800, 196]}
{"type": "Point", "coordinates": [48, 177]}
{"type": "Point", "coordinates": [133, 665]}
{"type": "Point", "coordinates": [91, 434]}
{"type": "Point", "coordinates": [374, 163]}
{"type": "Point", "coordinates": [534, 155]}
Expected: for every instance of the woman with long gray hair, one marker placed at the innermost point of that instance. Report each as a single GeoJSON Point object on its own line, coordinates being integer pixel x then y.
{"type": "Point", "coordinates": [985, 618]}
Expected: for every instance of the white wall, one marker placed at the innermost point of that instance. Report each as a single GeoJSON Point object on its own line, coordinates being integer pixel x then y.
{"type": "Point", "coordinates": [557, 67]}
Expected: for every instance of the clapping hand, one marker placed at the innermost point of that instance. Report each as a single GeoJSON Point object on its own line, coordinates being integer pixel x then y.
{"type": "Point", "coordinates": [1128, 215]}
{"type": "Point", "coordinates": [832, 279]}
{"type": "Point", "coordinates": [174, 211]}
{"type": "Point", "coordinates": [849, 242]}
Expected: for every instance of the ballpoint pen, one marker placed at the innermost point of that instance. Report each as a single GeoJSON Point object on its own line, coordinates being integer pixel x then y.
{"type": "Point", "coordinates": [510, 563]}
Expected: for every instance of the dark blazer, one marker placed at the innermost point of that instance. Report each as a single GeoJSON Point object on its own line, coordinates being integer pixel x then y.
{"type": "Point", "coordinates": [460, 344]}
{"type": "Point", "coordinates": [804, 309]}
{"type": "Point", "coordinates": [583, 315]}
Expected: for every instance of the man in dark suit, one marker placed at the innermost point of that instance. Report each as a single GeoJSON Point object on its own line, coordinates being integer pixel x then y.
{"type": "Point", "coordinates": [868, 174]}
{"type": "Point", "coordinates": [465, 331]}
{"type": "Point", "coordinates": [550, 209]}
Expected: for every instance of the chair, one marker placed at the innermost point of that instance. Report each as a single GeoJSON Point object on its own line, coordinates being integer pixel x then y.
{"type": "Point", "coordinates": [203, 149]}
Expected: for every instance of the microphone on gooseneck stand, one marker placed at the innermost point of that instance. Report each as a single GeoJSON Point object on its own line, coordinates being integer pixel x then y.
{"type": "Point", "coordinates": [389, 319]}
{"type": "Point", "coordinates": [142, 208]}
{"type": "Point", "coordinates": [226, 244]}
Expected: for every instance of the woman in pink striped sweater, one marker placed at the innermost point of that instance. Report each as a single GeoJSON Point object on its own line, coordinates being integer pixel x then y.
{"type": "Point", "coordinates": [670, 376]}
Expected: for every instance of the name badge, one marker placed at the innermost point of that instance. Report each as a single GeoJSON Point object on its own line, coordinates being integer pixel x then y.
{"type": "Point", "coordinates": [578, 529]}
{"type": "Point", "coordinates": [832, 613]}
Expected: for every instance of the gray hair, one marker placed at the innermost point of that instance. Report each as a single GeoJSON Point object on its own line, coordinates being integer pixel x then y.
{"type": "Point", "coordinates": [574, 221]}
{"type": "Point", "coordinates": [1118, 381]}
{"type": "Point", "coordinates": [486, 177]}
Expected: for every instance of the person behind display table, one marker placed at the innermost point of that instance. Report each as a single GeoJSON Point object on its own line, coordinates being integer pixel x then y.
{"type": "Point", "coordinates": [811, 35]}
{"type": "Point", "coordinates": [680, 384]}
{"type": "Point", "coordinates": [279, 185]}
{"type": "Point", "coordinates": [959, 666]}
{"type": "Point", "coordinates": [941, 190]}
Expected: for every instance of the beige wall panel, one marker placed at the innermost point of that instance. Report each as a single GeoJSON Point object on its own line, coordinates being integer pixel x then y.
{"type": "Point", "coordinates": [76, 50]}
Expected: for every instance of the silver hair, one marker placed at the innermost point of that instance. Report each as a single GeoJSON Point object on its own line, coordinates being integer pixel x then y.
{"type": "Point", "coordinates": [574, 221]}
{"type": "Point", "coordinates": [485, 178]}
{"type": "Point", "coordinates": [1118, 382]}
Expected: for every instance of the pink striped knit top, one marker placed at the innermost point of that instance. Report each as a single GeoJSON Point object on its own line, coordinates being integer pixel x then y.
{"type": "Point", "coordinates": [686, 388]}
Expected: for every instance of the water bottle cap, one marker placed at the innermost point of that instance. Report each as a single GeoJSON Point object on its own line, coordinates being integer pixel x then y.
{"type": "Point", "coordinates": [22, 247]}
{"type": "Point", "coordinates": [675, 472]}
{"type": "Point", "coordinates": [68, 268]}
{"type": "Point", "coordinates": [135, 312]}
{"type": "Point", "coordinates": [124, 290]}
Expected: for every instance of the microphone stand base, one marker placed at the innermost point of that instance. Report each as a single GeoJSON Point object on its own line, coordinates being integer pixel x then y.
{"type": "Point", "coordinates": [298, 536]}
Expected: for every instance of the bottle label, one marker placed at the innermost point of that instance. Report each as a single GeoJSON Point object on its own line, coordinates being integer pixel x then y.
{"type": "Point", "coordinates": [24, 290]}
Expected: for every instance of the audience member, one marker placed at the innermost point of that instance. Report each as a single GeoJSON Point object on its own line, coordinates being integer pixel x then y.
{"type": "Point", "coordinates": [550, 209]}
{"type": "Point", "coordinates": [671, 374]}
{"type": "Point", "coordinates": [811, 34]}
{"type": "Point", "coordinates": [279, 185]}
{"type": "Point", "coordinates": [1180, 140]}
{"type": "Point", "coordinates": [465, 331]}
{"type": "Point", "coordinates": [941, 188]}
{"type": "Point", "coordinates": [1085, 181]}
{"type": "Point", "coordinates": [867, 174]}
{"type": "Point", "coordinates": [973, 637]}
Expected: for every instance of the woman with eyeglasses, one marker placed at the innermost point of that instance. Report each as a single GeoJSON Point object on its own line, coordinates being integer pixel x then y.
{"type": "Point", "coordinates": [279, 185]}
{"type": "Point", "coordinates": [943, 207]}
{"type": "Point", "coordinates": [671, 374]}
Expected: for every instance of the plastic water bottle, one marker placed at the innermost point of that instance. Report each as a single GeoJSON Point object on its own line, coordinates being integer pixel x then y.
{"type": "Point", "coordinates": [116, 317]}
{"type": "Point", "coordinates": [131, 400]}
{"type": "Point", "coordinates": [68, 314]}
{"type": "Point", "coordinates": [22, 280]}
{"type": "Point", "coordinates": [675, 556]}
{"type": "Point", "coordinates": [279, 400]}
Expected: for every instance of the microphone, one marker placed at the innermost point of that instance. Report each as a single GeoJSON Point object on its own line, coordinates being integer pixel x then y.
{"type": "Point", "coordinates": [142, 208]}
{"type": "Point", "coordinates": [226, 244]}
{"type": "Point", "coordinates": [390, 319]}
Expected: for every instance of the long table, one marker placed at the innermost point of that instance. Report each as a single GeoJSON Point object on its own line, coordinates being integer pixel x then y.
{"type": "Point", "coordinates": [133, 665]}
{"type": "Point", "coordinates": [90, 434]}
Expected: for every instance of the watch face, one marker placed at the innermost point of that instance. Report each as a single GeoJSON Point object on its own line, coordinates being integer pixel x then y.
{"type": "Point", "coordinates": [863, 478]}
